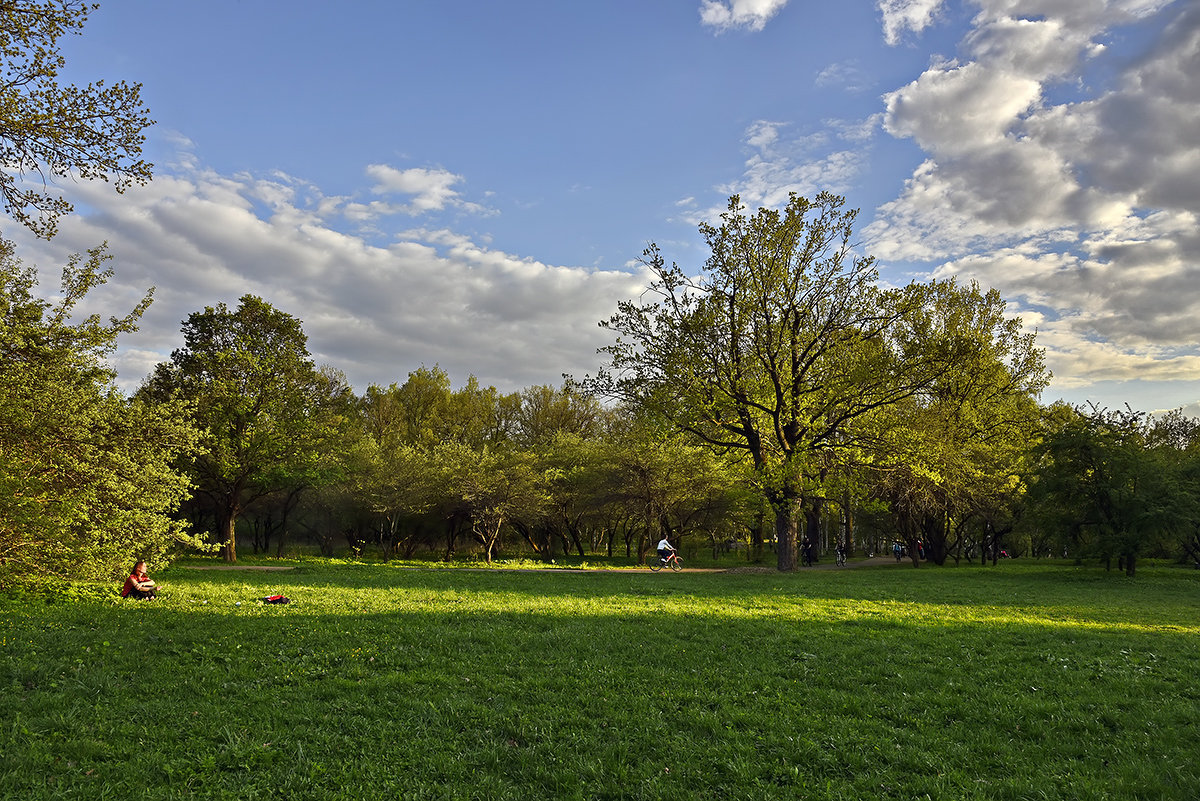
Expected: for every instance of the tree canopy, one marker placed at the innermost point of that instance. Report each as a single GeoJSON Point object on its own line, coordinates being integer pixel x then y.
{"type": "Point", "coordinates": [87, 484]}
{"type": "Point", "coordinates": [264, 407]}
{"type": "Point", "coordinates": [782, 380]}
{"type": "Point", "coordinates": [1113, 483]}
{"type": "Point", "coordinates": [780, 346]}
{"type": "Point", "coordinates": [49, 130]}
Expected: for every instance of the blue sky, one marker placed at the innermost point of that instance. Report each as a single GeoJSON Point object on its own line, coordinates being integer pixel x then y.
{"type": "Point", "coordinates": [470, 184]}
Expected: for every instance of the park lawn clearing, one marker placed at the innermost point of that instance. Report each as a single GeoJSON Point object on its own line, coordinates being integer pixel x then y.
{"type": "Point", "coordinates": [1018, 682]}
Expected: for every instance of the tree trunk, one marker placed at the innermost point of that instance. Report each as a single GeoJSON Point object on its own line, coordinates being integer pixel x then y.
{"type": "Point", "coordinates": [491, 535]}
{"type": "Point", "coordinates": [542, 550]}
{"type": "Point", "coordinates": [573, 530]}
{"type": "Point", "coordinates": [451, 537]}
{"type": "Point", "coordinates": [756, 537]}
{"type": "Point", "coordinates": [785, 533]}
{"type": "Point", "coordinates": [812, 525]}
{"type": "Point", "coordinates": [229, 526]}
{"type": "Point", "coordinates": [289, 504]}
{"type": "Point", "coordinates": [848, 524]}
{"type": "Point", "coordinates": [643, 545]}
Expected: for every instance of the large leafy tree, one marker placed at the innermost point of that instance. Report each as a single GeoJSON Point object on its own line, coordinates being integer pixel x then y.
{"type": "Point", "coordinates": [953, 453]}
{"type": "Point", "coordinates": [1107, 486]}
{"type": "Point", "coordinates": [266, 410]}
{"type": "Point", "coordinates": [334, 454]}
{"type": "Point", "coordinates": [545, 412]}
{"type": "Point", "coordinates": [491, 488]}
{"type": "Point", "coordinates": [1177, 437]}
{"type": "Point", "coordinates": [780, 342]}
{"type": "Point", "coordinates": [87, 483]}
{"type": "Point", "coordinates": [49, 130]}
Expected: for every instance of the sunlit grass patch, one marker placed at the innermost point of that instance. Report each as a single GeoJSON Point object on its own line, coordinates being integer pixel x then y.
{"type": "Point", "coordinates": [383, 681]}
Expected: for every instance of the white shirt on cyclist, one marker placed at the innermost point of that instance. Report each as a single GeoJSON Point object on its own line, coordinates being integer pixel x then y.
{"type": "Point", "coordinates": [663, 545]}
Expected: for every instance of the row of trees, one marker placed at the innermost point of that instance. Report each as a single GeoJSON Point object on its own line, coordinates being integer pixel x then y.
{"type": "Point", "coordinates": [290, 448]}
{"type": "Point", "coordinates": [922, 427]}
{"type": "Point", "coordinates": [1117, 484]}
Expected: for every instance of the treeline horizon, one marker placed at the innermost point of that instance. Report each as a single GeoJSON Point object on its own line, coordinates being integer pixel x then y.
{"type": "Point", "coordinates": [240, 439]}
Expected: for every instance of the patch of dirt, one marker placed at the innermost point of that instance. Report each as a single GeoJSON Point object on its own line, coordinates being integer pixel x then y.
{"type": "Point", "coordinates": [751, 569]}
{"type": "Point", "coordinates": [237, 567]}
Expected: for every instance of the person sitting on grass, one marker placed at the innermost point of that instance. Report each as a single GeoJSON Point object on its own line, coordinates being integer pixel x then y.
{"type": "Point", "coordinates": [139, 585]}
{"type": "Point", "coordinates": [664, 549]}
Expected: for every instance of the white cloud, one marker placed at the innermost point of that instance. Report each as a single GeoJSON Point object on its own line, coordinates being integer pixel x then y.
{"type": "Point", "coordinates": [959, 109]}
{"type": "Point", "coordinates": [375, 311]}
{"type": "Point", "coordinates": [750, 14]}
{"type": "Point", "coordinates": [429, 189]}
{"type": "Point", "coordinates": [906, 15]}
{"type": "Point", "coordinates": [1083, 209]}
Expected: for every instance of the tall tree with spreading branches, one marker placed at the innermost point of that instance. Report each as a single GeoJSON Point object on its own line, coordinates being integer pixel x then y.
{"type": "Point", "coordinates": [783, 340]}
{"type": "Point", "coordinates": [267, 412]}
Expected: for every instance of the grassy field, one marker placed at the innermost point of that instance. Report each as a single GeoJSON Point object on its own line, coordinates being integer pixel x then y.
{"type": "Point", "coordinates": [1019, 682]}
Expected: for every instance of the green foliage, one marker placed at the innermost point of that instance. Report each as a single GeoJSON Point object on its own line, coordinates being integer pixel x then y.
{"type": "Point", "coordinates": [953, 454]}
{"type": "Point", "coordinates": [56, 131]}
{"type": "Point", "coordinates": [545, 413]}
{"type": "Point", "coordinates": [1109, 485]}
{"type": "Point", "coordinates": [490, 488]}
{"type": "Point", "coordinates": [893, 684]}
{"type": "Point", "coordinates": [86, 478]}
{"type": "Point", "coordinates": [786, 350]}
{"type": "Point", "coordinates": [272, 421]}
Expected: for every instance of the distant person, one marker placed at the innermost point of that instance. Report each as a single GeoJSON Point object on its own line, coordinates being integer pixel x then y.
{"type": "Point", "coordinates": [897, 551]}
{"type": "Point", "coordinates": [139, 585]}
{"type": "Point", "coordinates": [807, 550]}
{"type": "Point", "coordinates": [664, 549]}
{"type": "Point", "coordinates": [841, 554]}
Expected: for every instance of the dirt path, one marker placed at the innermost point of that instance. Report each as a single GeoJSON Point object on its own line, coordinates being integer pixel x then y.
{"type": "Point", "coordinates": [237, 567]}
{"type": "Point", "coordinates": [828, 564]}
{"type": "Point", "coordinates": [874, 561]}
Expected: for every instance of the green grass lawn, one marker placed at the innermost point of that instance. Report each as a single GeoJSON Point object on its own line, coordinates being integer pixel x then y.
{"type": "Point", "coordinates": [1019, 682]}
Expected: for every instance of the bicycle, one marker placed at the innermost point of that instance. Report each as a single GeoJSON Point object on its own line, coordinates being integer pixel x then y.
{"type": "Point", "coordinates": [672, 562]}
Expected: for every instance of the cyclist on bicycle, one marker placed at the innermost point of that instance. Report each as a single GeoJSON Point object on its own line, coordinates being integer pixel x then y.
{"type": "Point", "coordinates": [664, 549]}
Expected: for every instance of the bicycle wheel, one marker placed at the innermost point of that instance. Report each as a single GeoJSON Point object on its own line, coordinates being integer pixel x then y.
{"type": "Point", "coordinates": [655, 566]}
{"type": "Point", "coordinates": [675, 566]}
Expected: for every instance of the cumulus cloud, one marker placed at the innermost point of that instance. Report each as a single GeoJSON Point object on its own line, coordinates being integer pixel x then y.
{"type": "Point", "coordinates": [374, 310]}
{"type": "Point", "coordinates": [1076, 197]}
{"type": "Point", "coordinates": [749, 14]}
{"type": "Point", "coordinates": [426, 190]}
{"type": "Point", "coordinates": [899, 16]}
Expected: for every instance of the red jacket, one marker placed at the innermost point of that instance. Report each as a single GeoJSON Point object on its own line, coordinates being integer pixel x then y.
{"type": "Point", "coordinates": [132, 582]}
